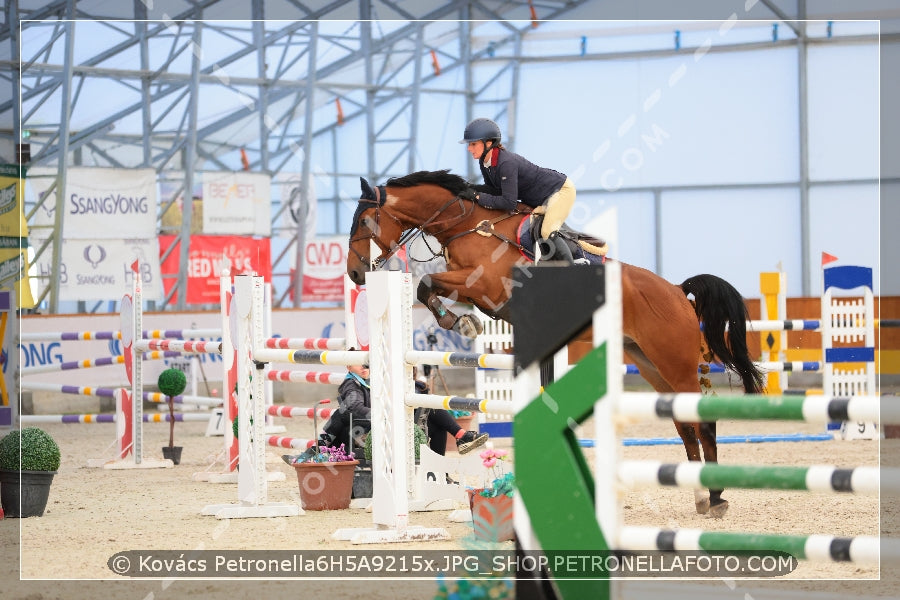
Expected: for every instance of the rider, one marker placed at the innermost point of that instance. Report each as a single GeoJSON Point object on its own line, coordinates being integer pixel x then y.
{"type": "Point", "coordinates": [509, 178]}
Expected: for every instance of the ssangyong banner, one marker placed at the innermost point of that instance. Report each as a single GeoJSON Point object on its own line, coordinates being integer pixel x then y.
{"type": "Point", "coordinates": [103, 203]}
{"type": "Point", "coordinates": [324, 265]}
{"type": "Point", "coordinates": [206, 257]}
{"type": "Point", "coordinates": [100, 269]}
{"type": "Point", "coordinates": [237, 203]}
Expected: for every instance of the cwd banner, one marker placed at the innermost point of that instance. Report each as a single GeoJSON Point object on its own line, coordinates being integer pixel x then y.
{"type": "Point", "coordinates": [206, 256]}
{"type": "Point", "coordinates": [101, 203]}
{"type": "Point", "coordinates": [237, 203]}
{"type": "Point", "coordinates": [324, 265]}
{"type": "Point", "coordinates": [100, 269]}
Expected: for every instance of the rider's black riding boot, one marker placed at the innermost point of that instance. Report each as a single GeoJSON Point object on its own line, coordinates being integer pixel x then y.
{"type": "Point", "coordinates": [562, 251]}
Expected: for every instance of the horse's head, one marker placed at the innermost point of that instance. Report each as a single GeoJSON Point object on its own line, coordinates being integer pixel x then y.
{"type": "Point", "coordinates": [416, 200]}
{"type": "Point", "coordinates": [371, 224]}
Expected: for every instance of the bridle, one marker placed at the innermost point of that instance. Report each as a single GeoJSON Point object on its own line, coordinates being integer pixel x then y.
{"type": "Point", "coordinates": [386, 252]}
{"type": "Point", "coordinates": [407, 235]}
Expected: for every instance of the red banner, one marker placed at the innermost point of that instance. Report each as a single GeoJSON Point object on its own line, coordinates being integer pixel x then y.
{"type": "Point", "coordinates": [324, 265]}
{"type": "Point", "coordinates": [205, 256]}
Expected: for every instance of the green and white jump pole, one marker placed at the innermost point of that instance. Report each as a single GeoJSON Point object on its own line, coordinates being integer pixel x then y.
{"type": "Point", "coordinates": [563, 507]}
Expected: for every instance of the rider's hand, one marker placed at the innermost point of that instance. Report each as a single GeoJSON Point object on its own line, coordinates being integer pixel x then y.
{"type": "Point", "coordinates": [468, 194]}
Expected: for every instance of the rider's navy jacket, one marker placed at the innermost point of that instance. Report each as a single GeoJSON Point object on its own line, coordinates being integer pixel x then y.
{"type": "Point", "coordinates": [510, 178]}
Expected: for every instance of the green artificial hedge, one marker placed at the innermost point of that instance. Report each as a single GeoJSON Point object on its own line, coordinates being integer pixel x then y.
{"type": "Point", "coordinates": [38, 451]}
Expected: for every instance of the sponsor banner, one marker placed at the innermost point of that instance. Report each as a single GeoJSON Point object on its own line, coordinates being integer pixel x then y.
{"type": "Point", "coordinates": [318, 322]}
{"type": "Point", "coordinates": [58, 352]}
{"type": "Point", "coordinates": [9, 359]}
{"type": "Point", "coordinates": [14, 272]}
{"type": "Point", "coordinates": [103, 203]}
{"type": "Point", "coordinates": [14, 234]}
{"type": "Point", "coordinates": [324, 265]}
{"type": "Point", "coordinates": [100, 269]}
{"type": "Point", "coordinates": [208, 256]}
{"type": "Point", "coordinates": [291, 193]}
{"type": "Point", "coordinates": [12, 217]}
{"type": "Point", "coordinates": [237, 203]}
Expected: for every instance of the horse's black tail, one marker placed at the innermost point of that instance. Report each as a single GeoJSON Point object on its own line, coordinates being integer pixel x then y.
{"type": "Point", "coordinates": [717, 303]}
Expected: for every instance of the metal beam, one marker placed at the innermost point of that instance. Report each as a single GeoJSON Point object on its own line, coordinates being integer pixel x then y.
{"type": "Point", "coordinates": [65, 114]}
{"type": "Point", "coordinates": [803, 133]}
{"type": "Point", "coordinates": [259, 32]}
{"type": "Point", "coordinates": [798, 28]}
{"type": "Point", "coordinates": [306, 169]}
{"type": "Point", "coordinates": [190, 158]}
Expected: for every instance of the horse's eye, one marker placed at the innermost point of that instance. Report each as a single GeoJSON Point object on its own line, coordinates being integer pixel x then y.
{"type": "Point", "coordinates": [368, 223]}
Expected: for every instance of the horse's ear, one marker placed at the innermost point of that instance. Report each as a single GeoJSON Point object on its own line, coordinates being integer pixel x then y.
{"type": "Point", "coordinates": [367, 192]}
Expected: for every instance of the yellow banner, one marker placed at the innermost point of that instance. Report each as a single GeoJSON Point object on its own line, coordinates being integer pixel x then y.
{"type": "Point", "coordinates": [14, 234]}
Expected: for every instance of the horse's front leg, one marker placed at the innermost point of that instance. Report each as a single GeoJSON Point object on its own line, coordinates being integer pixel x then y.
{"type": "Point", "coordinates": [450, 285]}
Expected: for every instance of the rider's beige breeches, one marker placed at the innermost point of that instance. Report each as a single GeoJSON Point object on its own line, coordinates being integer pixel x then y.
{"type": "Point", "coordinates": [558, 207]}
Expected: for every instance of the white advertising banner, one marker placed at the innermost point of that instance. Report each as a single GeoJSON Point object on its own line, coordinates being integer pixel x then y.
{"type": "Point", "coordinates": [291, 192]}
{"type": "Point", "coordinates": [103, 203]}
{"type": "Point", "coordinates": [237, 203]}
{"type": "Point", "coordinates": [100, 269]}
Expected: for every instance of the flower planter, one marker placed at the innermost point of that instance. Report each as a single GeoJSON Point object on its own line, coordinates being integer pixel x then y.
{"type": "Point", "coordinates": [25, 493]}
{"type": "Point", "coordinates": [325, 486]}
{"type": "Point", "coordinates": [492, 518]}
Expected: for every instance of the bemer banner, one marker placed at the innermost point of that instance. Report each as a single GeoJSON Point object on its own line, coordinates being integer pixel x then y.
{"type": "Point", "coordinates": [237, 203]}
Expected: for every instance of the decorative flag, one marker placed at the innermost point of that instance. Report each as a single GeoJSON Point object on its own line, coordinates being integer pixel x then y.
{"type": "Point", "coordinates": [435, 64]}
{"type": "Point", "coordinates": [245, 162]}
{"type": "Point", "coordinates": [828, 258]}
{"type": "Point", "coordinates": [340, 111]}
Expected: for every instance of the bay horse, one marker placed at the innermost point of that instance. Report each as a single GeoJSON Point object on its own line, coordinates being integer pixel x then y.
{"type": "Point", "coordinates": [661, 326]}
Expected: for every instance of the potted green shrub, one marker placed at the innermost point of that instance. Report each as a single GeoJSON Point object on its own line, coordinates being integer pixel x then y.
{"type": "Point", "coordinates": [172, 382]}
{"type": "Point", "coordinates": [28, 461]}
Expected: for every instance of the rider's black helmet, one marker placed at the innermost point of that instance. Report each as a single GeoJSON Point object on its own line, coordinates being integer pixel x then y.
{"type": "Point", "coordinates": [481, 130]}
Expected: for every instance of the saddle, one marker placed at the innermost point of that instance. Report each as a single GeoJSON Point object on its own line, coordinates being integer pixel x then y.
{"type": "Point", "coordinates": [580, 244]}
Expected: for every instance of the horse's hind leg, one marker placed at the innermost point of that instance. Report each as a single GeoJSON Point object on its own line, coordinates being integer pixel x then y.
{"type": "Point", "coordinates": [707, 434]}
{"type": "Point", "coordinates": [689, 434]}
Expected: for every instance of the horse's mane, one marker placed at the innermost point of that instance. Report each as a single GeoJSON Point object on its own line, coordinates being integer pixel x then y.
{"type": "Point", "coordinates": [444, 178]}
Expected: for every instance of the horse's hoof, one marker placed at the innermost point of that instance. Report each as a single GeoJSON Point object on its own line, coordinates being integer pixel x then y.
{"type": "Point", "coordinates": [702, 505]}
{"type": "Point", "coordinates": [468, 326]}
{"type": "Point", "coordinates": [717, 511]}
{"type": "Point", "coordinates": [701, 501]}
